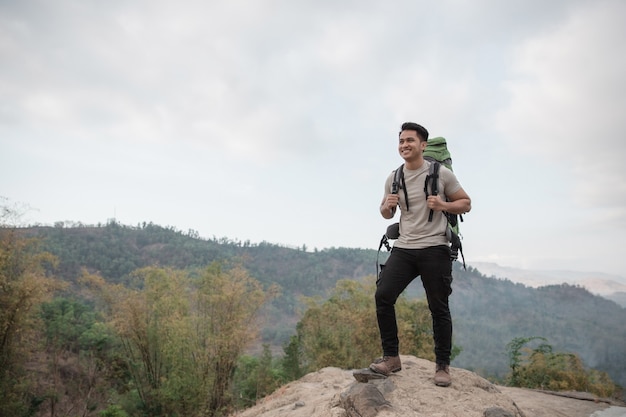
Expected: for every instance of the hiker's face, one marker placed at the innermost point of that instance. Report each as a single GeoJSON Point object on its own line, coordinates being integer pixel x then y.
{"type": "Point", "coordinates": [409, 145]}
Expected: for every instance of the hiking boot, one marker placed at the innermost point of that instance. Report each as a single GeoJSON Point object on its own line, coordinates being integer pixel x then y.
{"type": "Point", "coordinates": [386, 365]}
{"type": "Point", "coordinates": [442, 375]}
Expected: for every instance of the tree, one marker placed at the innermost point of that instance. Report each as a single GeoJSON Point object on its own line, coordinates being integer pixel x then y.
{"type": "Point", "coordinates": [150, 320]}
{"type": "Point", "coordinates": [292, 359]}
{"type": "Point", "coordinates": [226, 304]}
{"type": "Point", "coordinates": [516, 356]}
{"type": "Point", "coordinates": [256, 377]}
{"type": "Point", "coordinates": [78, 351]}
{"type": "Point", "coordinates": [557, 371]}
{"type": "Point", "coordinates": [343, 332]}
{"type": "Point", "coordinates": [183, 336]}
{"type": "Point", "coordinates": [24, 285]}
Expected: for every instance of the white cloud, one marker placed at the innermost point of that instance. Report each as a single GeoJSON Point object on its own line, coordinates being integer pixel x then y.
{"type": "Point", "coordinates": [567, 101]}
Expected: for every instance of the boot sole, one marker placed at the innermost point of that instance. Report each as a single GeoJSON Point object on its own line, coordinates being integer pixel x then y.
{"type": "Point", "coordinates": [371, 368]}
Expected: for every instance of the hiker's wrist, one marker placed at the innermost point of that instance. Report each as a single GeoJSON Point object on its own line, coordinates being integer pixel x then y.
{"type": "Point", "coordinates": [386, 212]}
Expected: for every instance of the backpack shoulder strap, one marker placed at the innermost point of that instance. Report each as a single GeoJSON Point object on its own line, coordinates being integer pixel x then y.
{"type": "Point", "coordinates": [431, 184]}
{"type": "Point", "coordinates": [398, 175]}
{"type": "Point", "coordinates": [398, 183]}
{"type": "Point", "coordinates": [433, 174]}
{"type": "Point", "coordinates": [432, 180]}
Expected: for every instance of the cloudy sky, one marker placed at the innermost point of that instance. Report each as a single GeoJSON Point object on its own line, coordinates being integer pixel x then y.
{"type": "Point", "coordinates": [277, 120]}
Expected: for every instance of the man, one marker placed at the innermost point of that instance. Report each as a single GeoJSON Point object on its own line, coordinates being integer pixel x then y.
{"type": "Point", "coordinates": [422, 249]}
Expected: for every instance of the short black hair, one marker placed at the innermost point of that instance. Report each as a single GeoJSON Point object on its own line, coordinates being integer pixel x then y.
{"type": "Point", "coordinates": [421, 130]}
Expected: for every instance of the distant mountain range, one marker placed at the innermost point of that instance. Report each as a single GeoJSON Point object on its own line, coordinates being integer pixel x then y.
{"type": "Point", "coordinates": [611, 287]}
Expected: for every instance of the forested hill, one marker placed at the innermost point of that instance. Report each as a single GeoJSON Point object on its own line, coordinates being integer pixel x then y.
{"type": "Point", "coordinates": [488, 313]}
{"type": "Point", "coordinates": [115, 250]}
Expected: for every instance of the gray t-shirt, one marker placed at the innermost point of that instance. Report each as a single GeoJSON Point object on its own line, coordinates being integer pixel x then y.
{"type": "Point", "coordinates": [416, 232]}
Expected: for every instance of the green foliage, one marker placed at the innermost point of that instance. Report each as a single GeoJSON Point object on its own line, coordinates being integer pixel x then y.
{"type": "Point", "coordinates": [113, 411]}
{"type": "Point", "coordinates": [80, 356]}
{"type": "Point", "coordinates": [256, 378]}
{"type": "Point", "coordinates": [515, 356]}
{"type": "Point", "coordinates": [65, 323]}
{"type": "Point", "coordinates": [292, 359]}
{"type": "Point", "coordinates": [182, 336]}
{"type": "Point", "coordinates": [268, 377]}
{"type": "Point", "coordinates": [556, 371]}
{"type": "Point", "coordinates": [343, 332]}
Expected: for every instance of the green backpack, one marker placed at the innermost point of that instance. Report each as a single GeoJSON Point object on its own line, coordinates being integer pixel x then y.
{"type": "Point", "coordinates": [437, 153]}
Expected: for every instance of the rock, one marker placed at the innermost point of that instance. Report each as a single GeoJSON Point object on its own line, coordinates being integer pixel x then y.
{"type": "Point", "coordinates": [363, 400]}
{"type": "Point", "coordinates": [366, 375]}
{"type": "Point", "coordinates": [333, 392]}
{"type": "Point", "coordinates": [497, 412]}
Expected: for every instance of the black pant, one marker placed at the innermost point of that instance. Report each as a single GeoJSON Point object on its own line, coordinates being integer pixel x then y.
{"type": "Point", "coordinates": [403, 266]}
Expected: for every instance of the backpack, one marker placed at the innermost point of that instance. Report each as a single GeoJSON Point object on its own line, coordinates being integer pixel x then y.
{"type": "Point", "coordinates": [436, 153]}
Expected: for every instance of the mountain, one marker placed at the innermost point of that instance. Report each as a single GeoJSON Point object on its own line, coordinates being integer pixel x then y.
{"type": "Point", "coordinates": [488, 312]}
{"type": "Point", "coordinates": [612, 287]}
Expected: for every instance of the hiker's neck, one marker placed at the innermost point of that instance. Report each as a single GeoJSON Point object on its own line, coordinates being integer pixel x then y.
{"type": "Point", "coordinates": [415, 163]}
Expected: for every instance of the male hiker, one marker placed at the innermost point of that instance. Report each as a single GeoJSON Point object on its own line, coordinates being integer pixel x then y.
{"type": "Point", "coordinates": [421, 250]}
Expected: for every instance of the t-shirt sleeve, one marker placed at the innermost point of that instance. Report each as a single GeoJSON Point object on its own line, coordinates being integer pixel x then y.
{"type": "Point", "coordinates": [388, 183]}
{"type": "Point", "coordinates": [450, 183]}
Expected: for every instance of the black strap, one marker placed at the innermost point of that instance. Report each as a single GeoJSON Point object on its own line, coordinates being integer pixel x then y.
{"type": "Point", "coordinates": [433, 179]}
{"type": "Point", "coordinates": [455, 246]}
{"type": "Point", "coordinates": [398, 183]}
{"type": "Point", "coordinates": [393, 232]}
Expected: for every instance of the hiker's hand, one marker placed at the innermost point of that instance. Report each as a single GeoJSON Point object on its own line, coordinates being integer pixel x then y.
{"type": "Point", "coordinates": [435, 202]}
{"type": "Point", "coordinates": [391, 202]}
{"type": "Point", "coordinates": [388, 206]}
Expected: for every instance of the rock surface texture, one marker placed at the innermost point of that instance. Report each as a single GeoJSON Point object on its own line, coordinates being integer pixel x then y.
{"type": "Point", "coordinates": [332, 392]}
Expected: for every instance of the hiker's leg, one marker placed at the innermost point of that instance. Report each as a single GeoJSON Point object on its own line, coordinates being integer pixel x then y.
{"type": "Point", "coordinates": [436, 273]}
{"type": "Point", "coordinates": [399, 271]}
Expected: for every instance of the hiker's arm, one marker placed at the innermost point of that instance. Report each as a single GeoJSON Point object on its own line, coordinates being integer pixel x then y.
{"type": "Point", "coordinates": [388, 206]}
{"type": "Point", "coordinates": [458, 203]}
